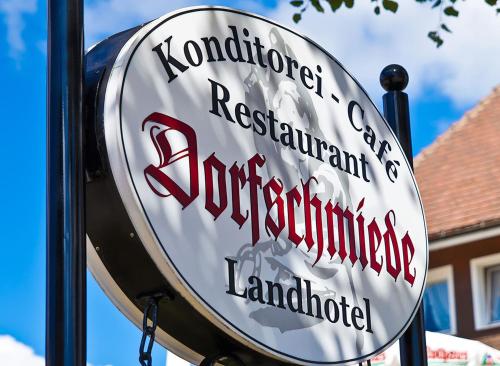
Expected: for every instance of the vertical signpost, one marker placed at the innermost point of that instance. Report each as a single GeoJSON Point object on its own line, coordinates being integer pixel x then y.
{"type": "Point", "coordinates": [66, 258]}
{"type": "Point", "coordinates": [394, 80]}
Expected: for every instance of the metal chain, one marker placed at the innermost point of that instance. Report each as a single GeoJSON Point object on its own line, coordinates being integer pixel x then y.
{"type": "Point", "coordinates": [148, 332]}
{"type": "Point", "coordinates": [148, 338]}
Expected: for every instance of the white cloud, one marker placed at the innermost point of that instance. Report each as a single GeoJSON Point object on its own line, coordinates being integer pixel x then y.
{"type": "Point", "coordinates": [464, 69]}
{"type": "Point", "coordinates": [13, 12]}
{"type": "Point", "coordinates": [14, 353]}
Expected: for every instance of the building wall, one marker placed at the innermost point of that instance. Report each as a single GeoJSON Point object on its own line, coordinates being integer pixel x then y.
{"type": "Point", "coordinates": [460, 257]}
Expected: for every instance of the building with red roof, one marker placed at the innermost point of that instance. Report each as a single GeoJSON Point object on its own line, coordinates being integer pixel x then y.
{"type": "Point", "coordinates": [459, 181]}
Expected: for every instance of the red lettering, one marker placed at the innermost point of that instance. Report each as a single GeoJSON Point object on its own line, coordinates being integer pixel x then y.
{"type": "Point", "coordinates": [238, 178]}
{"type": "Point", "coordinates": [216, 201]}
{"type": "Point", "coordinates": [316, 203]}
{"type": "Point", "coordinates": [292, 196]}
{"type": "Point", "coordinates": [408, 251]}
{"type": "Point", "coordinates": [341, 215]}
{"type": "Point", "coordinates": [391, 247]}
{"type": "Point", "coordinates": [255, 182]}
{"type": "Point", "coordinates": [361, 235]}
{"type": "Point", "coordinates": [331, 229]}
{"type": "Point", "coordinates": [374, 239]}
{"type": "Point", "coordinates": [167, 157]}
{"type": "Point", "coordinates": [274, 186]}
{"type": "Point", "coordinates": [209, 164]}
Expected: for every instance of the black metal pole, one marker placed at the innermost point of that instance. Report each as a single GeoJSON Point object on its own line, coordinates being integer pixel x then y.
{"type": "Point", "coordinates": [394, 79]}
{"type": "Point", "coordinates": [66, 259]}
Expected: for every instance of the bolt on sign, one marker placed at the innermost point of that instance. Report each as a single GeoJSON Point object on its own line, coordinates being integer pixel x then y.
{"type": "Point", "coordinates": [236, 164]}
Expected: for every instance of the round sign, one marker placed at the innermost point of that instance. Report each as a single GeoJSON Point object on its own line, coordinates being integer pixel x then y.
{"type": "Point", "coordinates": [242, 165]}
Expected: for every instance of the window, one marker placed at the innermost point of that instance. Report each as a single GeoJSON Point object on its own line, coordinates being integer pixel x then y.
{"type": "Point", "coordinates": [439, 301]}
{"type": "Point", "coordinates": [493, 294]}
{"type": "Point", "coordinates": [485, 274]}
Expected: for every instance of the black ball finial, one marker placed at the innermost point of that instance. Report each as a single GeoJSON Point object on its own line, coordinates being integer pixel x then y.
{"type": "Point", "coordinates": [394, 78]}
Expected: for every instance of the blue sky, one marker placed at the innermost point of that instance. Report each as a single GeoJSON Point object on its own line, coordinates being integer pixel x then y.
{"type": "Point", "coordinates": [444, 84]}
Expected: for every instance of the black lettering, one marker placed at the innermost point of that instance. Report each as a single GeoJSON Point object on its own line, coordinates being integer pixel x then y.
{"type": "Point", "coordinates": [270, 294]}
{"type": "Point", "coordinates": [319, 82]}
{"type": "Point", "coordinates": [210, 55]}
{"type": "Point", "coordinates": [237, 47]}
{"type": "Point", "coordinates": [306, 75]}
{"type": "Point", "coordinates": [368, 317]}
{"type": "Point", "coordinates": [255, 293]}
{"type": "Point", "coordinates": [232, 285]}
{"type": "Point", "coordinates": [344, 307]}
{"type": "Point", "coordinates": [259, 49]}
{"type": "Point", "coordinates": [259, 119]}
{"type": "Point", "coordinates": [197, 50]}
{"type": "Point", "coordinates": [327, 310]}
{"type": "Point", "coordinates": [355, 315]}
{"type": "Point", "coordinates": [392, 170]}
{"type": "Point", "coordinates": [350, 109]}
{"type": "Point", "coordinates": [290, 65]}
{"type": "Point", "coordinates": [286, 137]}
{"type": "Point", "coordinates": [309, 298]}
{"type": "Point", "coordinates": [216, 101]}
{"type": "Point", "coordinates": [248, 46]}
{"type": "Point", "coordinates": [298, 294]}
{"type": "Point", "coordinates": [384, 148]}
{"type": "Point", "coordinates": [320, 146]}
{"type": "Point", "coordinates": [272, 122]}
{"type": "Point", "coordinates": [270, 60]}
{"type": "Point", "coordinates": [364, 166]}
{"type": "Point", "coordinates": [350, 158]}
{"type": "Point", "coordinates": [242, 110]}
{"type": "Point", "coordinates": [169, 60]}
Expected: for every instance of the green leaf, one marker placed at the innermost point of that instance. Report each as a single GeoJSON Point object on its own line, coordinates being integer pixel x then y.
{"type": "Point", "coordinates": [349, 3]}
{"type": "Point", "coordinates": [498, 11]}
{"type": "Point", "coordinates": [491, 2]}
{"type": "Point", "coordinates": [297, 17]}
{"type": "Point", "coordinates": [434, 36]}
{"type": "Point", "coordinates": [335, 4]}
{"type": "Point", "coordinates": [317, 6]}
{"type": "Point", "coordinates": [445, 28]}
{"type": "Point", "coordinates": [297, 3]}
{"type": "Point", "coordinates": [436, 4]}
{"type": "Point", "coordinates": [377, 10]}
{"type": "Point", "coordinates": [390, 5]}
{"type": "Point", "coordinates": [451, 11]}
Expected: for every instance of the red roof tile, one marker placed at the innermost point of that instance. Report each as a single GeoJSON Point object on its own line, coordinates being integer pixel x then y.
{"type": "Point", "coordinates": [459, 174]}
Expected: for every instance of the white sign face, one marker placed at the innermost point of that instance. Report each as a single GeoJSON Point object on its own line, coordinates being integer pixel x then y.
{"type": "Point", "coordinates": [266, 186]}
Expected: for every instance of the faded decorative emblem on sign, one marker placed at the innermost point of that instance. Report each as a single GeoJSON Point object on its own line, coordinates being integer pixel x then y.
{"type": "Point", "coordinates": [266, 186]}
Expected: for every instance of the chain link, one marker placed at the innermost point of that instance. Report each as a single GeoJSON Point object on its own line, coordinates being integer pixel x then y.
{"type": "Point", "coordinates": [148, 332]}
{"type": "Point", "coordinates": [148, 337]}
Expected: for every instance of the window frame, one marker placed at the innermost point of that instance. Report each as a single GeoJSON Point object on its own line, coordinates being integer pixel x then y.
{"type": "Point", "coordinates": [480, 305]}
{"type": "Point", "coordinates": [444, 274]}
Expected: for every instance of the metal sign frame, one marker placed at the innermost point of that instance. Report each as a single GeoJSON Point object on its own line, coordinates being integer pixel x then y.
{"type": "Point", "coordinates": [66, 253]}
